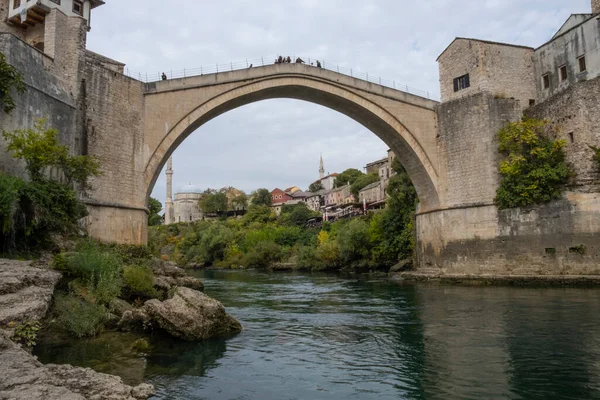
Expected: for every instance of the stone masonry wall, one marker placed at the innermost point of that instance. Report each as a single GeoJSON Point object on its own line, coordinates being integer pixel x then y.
{"type": "Point", "coordinates": [46, 97]}
{"type": "Point", "coordinates": [596, 6]}
{"type": "Point", "coordinates": [5, 26]}
{"type": "Point", "coordinates": [504, 70]}
{"type": "Point", "coordinates": [467, 141]}
{"type": "Point", "coordinates": [575, 113]}
{"type": "Point", "coordinates": [114, 115]}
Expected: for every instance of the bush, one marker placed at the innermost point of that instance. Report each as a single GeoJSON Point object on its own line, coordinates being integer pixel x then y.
{"type": "Point", "coordinates": [26, 333]}
{"type": "Point", "coordinates": [263, 255]}
{"type": "Point", "coordinates": [353, 241]}
{"type": "Point", "coordinates": [139, 281]}
{"type": "Point", "coordinates": [533, 170]}
{"type": "Point", "coordinates": [98, 269]}
{"type": "Point", "coordinates": [596, 151]}
{"type": "Point", "coordinates": [79, 317]}
{"type": "Point", "coordinates": [308, 260]}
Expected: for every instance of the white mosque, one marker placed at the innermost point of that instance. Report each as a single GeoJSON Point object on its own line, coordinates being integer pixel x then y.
{"type": "Point", "coordinates": [185, 207]}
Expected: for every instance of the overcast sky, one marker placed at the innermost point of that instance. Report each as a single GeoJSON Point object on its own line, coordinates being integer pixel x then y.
{"type": "Point", "coordinates": [277, 143]}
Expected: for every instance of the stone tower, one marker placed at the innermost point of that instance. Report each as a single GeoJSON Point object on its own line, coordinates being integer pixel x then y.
{"type": "Point", "coordinates": [321, 169]}
{"type": "Point", "coordinates": [169, 199]}
{"type": "Point", "coordinates": [595, 6]}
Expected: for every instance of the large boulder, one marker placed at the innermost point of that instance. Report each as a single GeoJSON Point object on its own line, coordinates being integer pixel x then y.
{"type": "Point", "coordinates": [25, 291]}
{"type": "Point", "coordinates": [191, 315]}
{"type": "Point", "coordinates": [23, 377]}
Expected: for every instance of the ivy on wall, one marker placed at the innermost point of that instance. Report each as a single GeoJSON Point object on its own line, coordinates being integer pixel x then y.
{"type": "Point", "coordinates": [533, 170]}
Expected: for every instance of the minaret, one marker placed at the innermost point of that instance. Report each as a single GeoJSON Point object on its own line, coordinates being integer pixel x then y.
{"type": "Point", "coordinates": [321, 169]}
{"type": "Point", "coordinates": [169, 200]}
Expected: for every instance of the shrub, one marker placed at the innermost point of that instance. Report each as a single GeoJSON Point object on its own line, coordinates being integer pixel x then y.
{"type": "Point", "coordinates": [263, 255]}
{"type": "Point", "coordinates": [308, 260]}
{"type": "Point", "coordinates": [533, 170]}
{"type": "Point", "coordinates": [329, 254]}
{"type": "Point", "coordinates": [139, 281]}
{"type": "Point", "coordinates": [26, 333]}
{"type": "Point", "coordinates": [354, 241]}
{"type": "Point", "coordinates": [99, 269]}
{"type": "Point", "coordinates": [596, 151]}
{"type": "Point", "coordinates": [79, 317]}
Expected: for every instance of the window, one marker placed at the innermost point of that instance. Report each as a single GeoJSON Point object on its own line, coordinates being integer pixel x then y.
{"type": "Point", "coordinates": [16, 4]}
{"type": "Point", "coordinates": [462, 82]}
{"type": "Point", "coordinates": [78, 7]}
{"type": "Point", "coordinates": [546, 81]}
{"type": "Point", "coordinates": [581, 62]}
{"type": "Point", "coordinates": [571, 137]}
{"type": "Point", "coordinates": [531, 102]}
{"type": "Point", "coordinates": [562, 72]}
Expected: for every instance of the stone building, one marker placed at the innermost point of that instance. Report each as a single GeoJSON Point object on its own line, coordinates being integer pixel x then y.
{"type": "Point", "coordinates": [279, 196]}
{"type": "Point", "coordinates": [373, 167]}
{"type": "Point", "coordinates": [470, 66]}
{"type": "Point", "coordinates": [371, 193]}
{"type": "Point", "coordinates": [29, 18]}
{"type": "Point", "coordinates": [572, 55]}
{"type": "Point", "coordinates": [186, 207]}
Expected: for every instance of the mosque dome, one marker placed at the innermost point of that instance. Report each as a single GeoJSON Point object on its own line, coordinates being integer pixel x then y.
{"type": "Point", "coordinates": [189, 188]}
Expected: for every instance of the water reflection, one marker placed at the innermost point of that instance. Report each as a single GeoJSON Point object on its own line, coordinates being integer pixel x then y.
{"type": "Point", "coordinates": [330, 337]}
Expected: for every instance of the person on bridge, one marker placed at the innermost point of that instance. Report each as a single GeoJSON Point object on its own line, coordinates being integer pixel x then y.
{"type": "Point", "coordinates": [318, 64]}
{"type": "Point", "coordinates": [164, 76]}
{"type": "Point", "coordinates": [299, 61]}
{"type": "Point", "coordinates": [288, 60]}
{"type": "Point", "coordinates": [279, 60]}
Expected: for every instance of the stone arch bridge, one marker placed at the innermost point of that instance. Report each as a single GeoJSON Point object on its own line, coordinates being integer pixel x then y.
{"type": "Point", "coordinates": [158, 116]}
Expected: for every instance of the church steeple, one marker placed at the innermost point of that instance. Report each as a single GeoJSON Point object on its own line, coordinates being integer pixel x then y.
{"type": "Point", "coordinates": [321, 169]}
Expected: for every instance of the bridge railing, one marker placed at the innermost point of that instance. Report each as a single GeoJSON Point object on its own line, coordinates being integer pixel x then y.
{"type": "Point", "coordinates": [264, 61]}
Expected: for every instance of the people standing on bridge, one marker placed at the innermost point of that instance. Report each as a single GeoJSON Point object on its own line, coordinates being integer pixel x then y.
{"type": "Point", "coordinates": [288, 60]}
{"type": "Point", "coordinates": [279, 60]}
{"type": "Point", "coordinates": [299, 61]}
{"type": "Point", "coordinates": [318, 64]}
{"type": "Point", "coordinates": [164, 76]}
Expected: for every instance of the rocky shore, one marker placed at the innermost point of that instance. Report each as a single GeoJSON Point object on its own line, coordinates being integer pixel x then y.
{"type": "Point", "coordinates": [26, 293]}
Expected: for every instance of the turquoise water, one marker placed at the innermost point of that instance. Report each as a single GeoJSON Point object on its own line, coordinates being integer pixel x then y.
{"type": "Point", "coordinates": [328, 337]}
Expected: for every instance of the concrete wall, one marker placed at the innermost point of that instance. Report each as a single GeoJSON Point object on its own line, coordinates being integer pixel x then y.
{"type": "Point", "coordinates": [576, 114]}
{"type": "Point", "coordinates": [564, 50]}
{"type": "Point", "coordinates": [504, 70]}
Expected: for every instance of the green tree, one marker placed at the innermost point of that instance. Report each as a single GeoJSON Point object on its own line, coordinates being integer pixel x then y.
{"type": "Point", "coordinates": [315, 187]}
{"type": "Point", "coordinates": [353, 241]}
{"type": "Point", "coordinates": [154, 207]}
{"type": "Point", "coordinates": [240, 202]}
{"type": "Point", "coordinates": [212, 202]}
{"type": "Point", "coordinates": [349, 176]}
{"type": "Point", "coordinates": [262, 197]}
{"type": "Point", "coordinates": [260, 214]}
{"type": "Point", "coordinates": [40, 149]}
{"type": "Point", "coordinates": [362, 182]}
{"type": "Point", "coordinates": [10, 79]}
{"type": "Point", "coordinates": [533, 170]}
{"type": "Point", "coordinates": [295, 215]}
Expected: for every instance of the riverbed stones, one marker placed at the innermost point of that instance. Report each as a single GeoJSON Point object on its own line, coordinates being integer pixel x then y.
{"type": "Point", "coordinates": [23, 377]}
{"type": "Point", "coordinates": [168, 275]}
{"type": "Point", "coordinates": [191, 315]}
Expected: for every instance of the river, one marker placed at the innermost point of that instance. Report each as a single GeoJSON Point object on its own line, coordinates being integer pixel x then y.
{"type": "Point", "coordinates": [329, 337]}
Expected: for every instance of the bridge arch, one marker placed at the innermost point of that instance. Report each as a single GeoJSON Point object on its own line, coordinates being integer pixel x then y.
{"type": "Point", "coordinates": [354, 104]}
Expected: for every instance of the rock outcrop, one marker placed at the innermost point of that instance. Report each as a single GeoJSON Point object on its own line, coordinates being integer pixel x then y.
{"type": "Point", "coordinates": [23, 377]}
{"type": "Point", "coordinates": [191, 315]}
{"type": "Point", "coordinates": [25, 291]}
{"type": "Point", "coordinates": [168, 275]}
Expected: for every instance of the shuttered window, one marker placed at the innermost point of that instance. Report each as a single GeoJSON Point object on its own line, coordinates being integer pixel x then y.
{"type": "Point", "coordinates": [462, 82]}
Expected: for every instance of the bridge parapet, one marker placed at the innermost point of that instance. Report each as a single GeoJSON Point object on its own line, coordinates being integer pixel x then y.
{"type": "Point", "coordinates": [420, 98]}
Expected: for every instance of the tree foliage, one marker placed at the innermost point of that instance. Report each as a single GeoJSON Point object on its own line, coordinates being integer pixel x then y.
{"type": "Point", "coordinates": [315, 187]}
{"type": "Point", "coordinates": [213, 202]}
{"type": "Point", "coordinates": [533, 170]}
{"type": "Point", "coordinates": [362, 182]}
{"type": "Point", "coordinates": [10, 79]}
{"type": "Point", "coordinates": [349, 176]}
{"type": "Point", "coordinates": [239, 202]}
{"type": "Point", "coordinates": [154, 207]}
{"type": "Point", "coordinates": [40, 149]}
{"type": "Point", "coordinates": [596, 151]}
{"type": "Point", "coordinates": [296, 215]}
{"type": "Point", "coordinates": [262, 197]}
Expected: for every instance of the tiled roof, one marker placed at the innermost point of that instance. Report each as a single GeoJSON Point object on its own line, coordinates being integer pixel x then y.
{"type": "Point", "coordinates": [371, 186]}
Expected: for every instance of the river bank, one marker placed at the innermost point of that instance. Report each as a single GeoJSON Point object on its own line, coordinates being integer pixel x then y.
{"type": "Point", "coordinates": [498, 280]}
{"type": "Point", "coordinates": [26, 292]}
